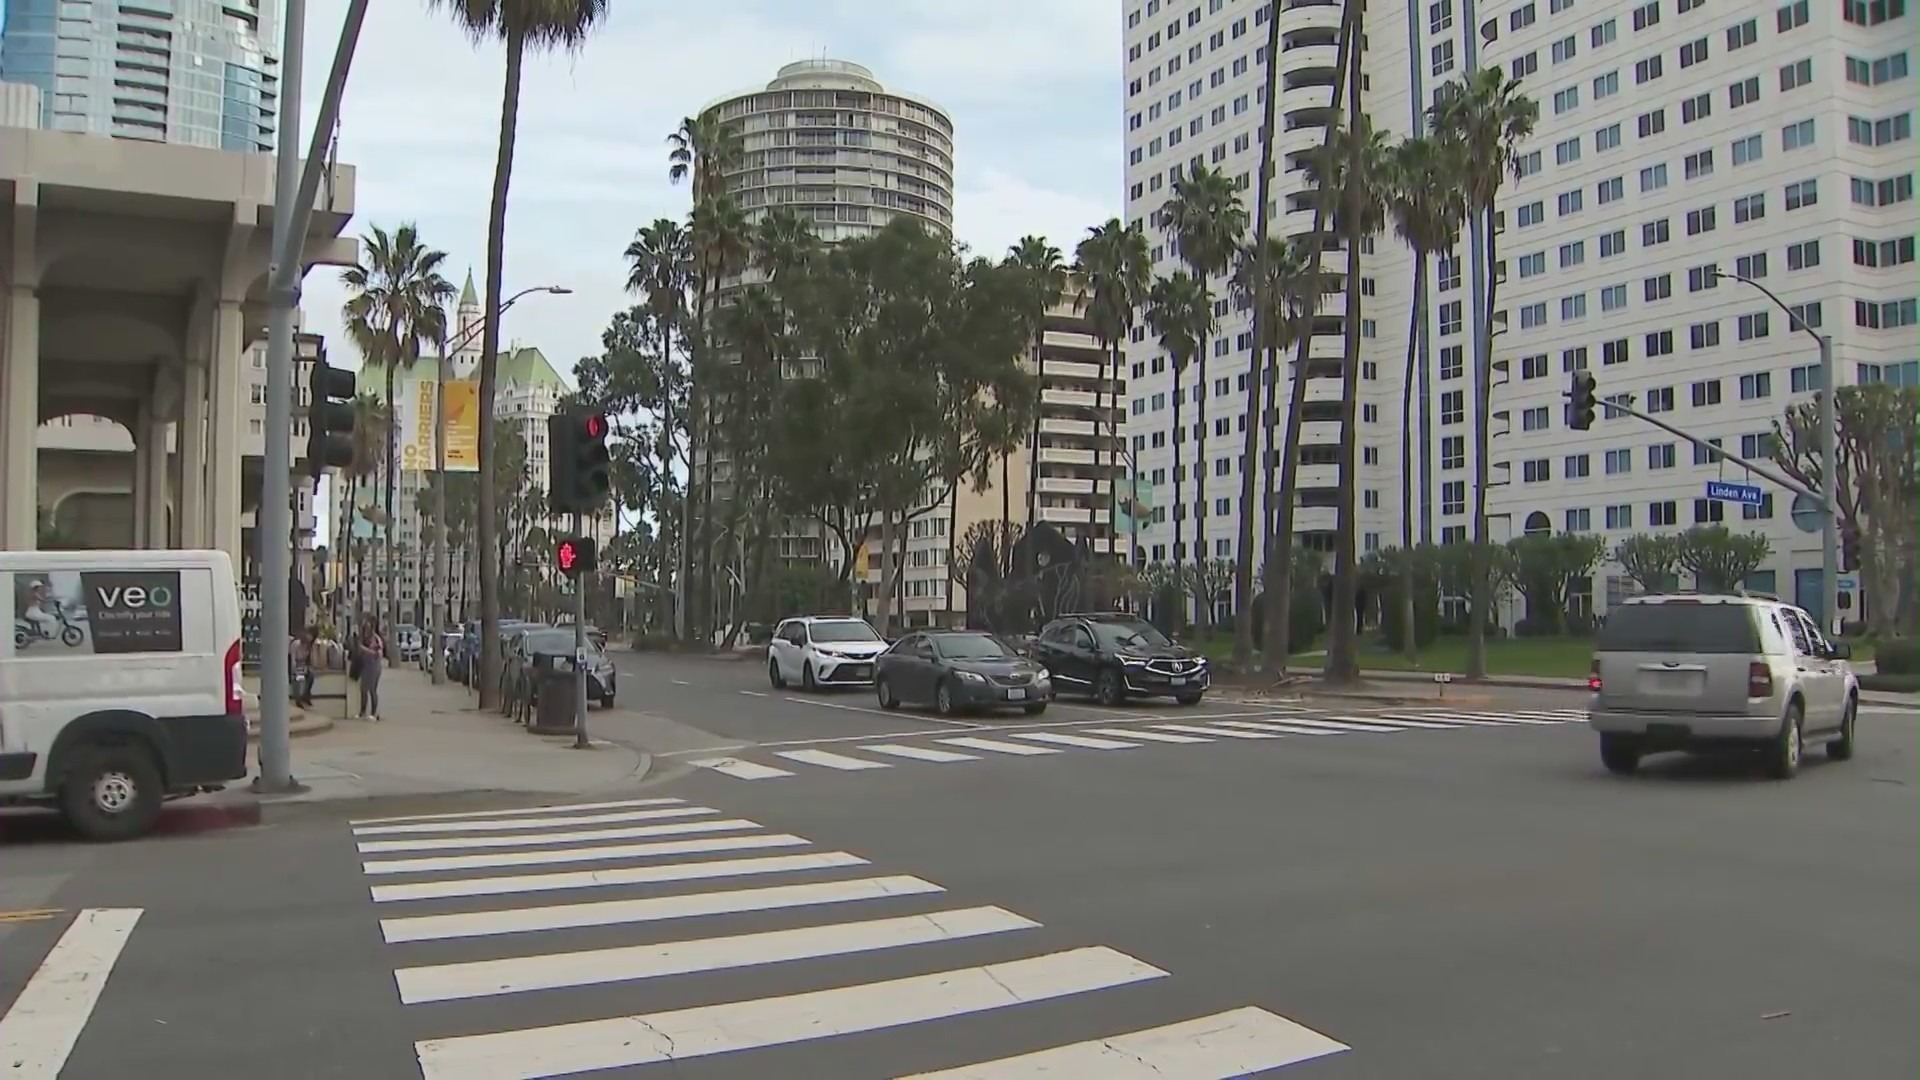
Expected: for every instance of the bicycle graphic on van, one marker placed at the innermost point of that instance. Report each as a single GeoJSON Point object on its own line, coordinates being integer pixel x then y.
{"type": "Point", "coordinates": [42, 617]}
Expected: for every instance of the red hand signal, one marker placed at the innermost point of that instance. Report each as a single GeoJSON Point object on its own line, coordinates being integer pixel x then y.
{"type": "Point", "coordinates": [567, 555]}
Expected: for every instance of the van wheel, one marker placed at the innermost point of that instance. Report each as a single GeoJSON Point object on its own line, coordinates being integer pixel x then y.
{"type": "Point", "coordinates": [1619, 754]}
{"type": "Point", "coordinates": [1784, 753]}
{"type": "Point", "coordinates": [111, 792]}
{"type": "Point", "coordinates": [1841, 749]}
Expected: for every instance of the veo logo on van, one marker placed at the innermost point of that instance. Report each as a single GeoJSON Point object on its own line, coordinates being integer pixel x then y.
{"type": "Point", "coordinates": [135, 596]}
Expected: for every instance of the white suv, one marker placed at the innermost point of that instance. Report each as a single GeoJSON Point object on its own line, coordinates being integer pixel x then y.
{"type": "Point", "coordinates": [823, 650]}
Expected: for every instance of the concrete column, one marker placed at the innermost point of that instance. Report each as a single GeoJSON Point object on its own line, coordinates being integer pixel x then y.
{"type": "Point", "coordinates": [192, 516]}
{"type": "Point", "coordinates": [20, 400]}
{"type": "Point", "coordinates": [225, 445]}
{"type": "Point", "coordinates": [138, 506]}
{"type": "Point", "coordinates": [155, 534]}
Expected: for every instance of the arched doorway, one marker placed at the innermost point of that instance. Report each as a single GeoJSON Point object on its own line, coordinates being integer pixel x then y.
{"type": "Point", "coordinates": [86, 482]}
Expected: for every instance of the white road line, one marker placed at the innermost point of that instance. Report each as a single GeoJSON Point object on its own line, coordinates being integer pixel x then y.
{"type": "Point", "coordinates": [635, 832]}
{"type": "Point", "coordinates": [1151, 717]}
{"type": "Point", "coordinates": [596, 967]}
{"type": "Point", "coordinates": [1074, 740]}
{"type": "Point", "coordinates": [756, 693]}
{"type": "Point", "coordinates": [40, 1029]}
{"type": "Point", "coordinates": [829, 760]}
{"type": "Point", "coordinates": [679, 682]}
{"type": "Point", "coordinates": [522, 811]}
{"type": "Point", "coordinates": [624, 1041]}
{"type": "Point", "coordinates": [998, 747]}
{"type": "Point", "coordinates": [1378, 723]}
{"type": "Point", "coordinates": [631, 875]}
{"type": "Point", "coordinates": [797, 700]}
{"type": "Point", "coordinates": [1148, 736]}
{"type": "Point", "coordinates": [1398, 719]}
{"type": "Point", "coordinates": [1219, 1047]}
{"type": "Point", "coordinates": [435, 864]}
{"type": "Point", "coordinates": [545, 822]}
{"type": "Point", "coordinates": [1504, 718]}
{"type": "Point", "coordinates": [1230, 733]}
{"type": "Point", "coordinates": [740, 770]}
{"type": "Point", "coordinates": [471, 924]}
{"type": "Point", "coordinates": [1287, 727]}
{"type": "Point", "coordinates": [920, 753]}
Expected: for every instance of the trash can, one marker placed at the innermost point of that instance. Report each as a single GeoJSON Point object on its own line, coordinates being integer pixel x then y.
{"type": "Point", "coordinates": [553, 713]}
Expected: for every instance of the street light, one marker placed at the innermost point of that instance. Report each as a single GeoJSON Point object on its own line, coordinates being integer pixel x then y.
{"type": "Point", "coordinates": [1829, 454]}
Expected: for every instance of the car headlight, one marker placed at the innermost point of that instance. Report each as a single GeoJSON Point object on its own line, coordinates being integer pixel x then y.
{"type": "Point", "coordinates": [1134, 661]}
{"type": "Point", "coordinates": [1043, 675]}
{"type": "Point", "coordinates": [970, 676]}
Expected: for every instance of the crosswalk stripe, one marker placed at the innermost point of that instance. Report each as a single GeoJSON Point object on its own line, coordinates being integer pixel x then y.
{"type": "Point", "coordinates": [437, 863]}
{"type": "Point", "coordinates": [548, 822]}
{"type": "Point", "coordinates": [39, 1030]}
{"type": "Point", "coordinates": [830, 760]}
{"type": "Point", "coordinates": [743, 1025]}
{"type": "Point", "coordinates": [1553, 714]}
{"type": "Point", "coordinates": [563, 808]}
{"type": "Point", "coordinates": [1403, 719]}
{"type": "Point", "coordinates": [1501, 718]}
{"type": "Point", "coordinates": [1187, 729]}
{"type": "Point", "coordinates": [1219, 1047]}
{"type": "Point", "coordinates": [445, 843]}
{"type": "Point", "coordinates": [594, 967]}
{"type": "Point", "coordinates": [632, 875]}
{"type": "Point", "coordinates": [1287, 727]}
{"type": "Point", "coordinates": [919, 753]}
{"type": "Point", "coordinates": [1380, 723]}
{"type": "Point", "coordinates": [998, 747]}
{"type": "Point", "coordinates": [1149, 736]}
{"type": "Point", "coordinates": [1075, 740]}
{"type": "Point", "coordinates": [474, 924]}
{"type": "Point", "coordinates": [740, 770]}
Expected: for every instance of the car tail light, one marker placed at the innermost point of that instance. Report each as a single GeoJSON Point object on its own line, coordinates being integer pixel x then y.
{"type": "Point", "coordinates": [235, 706]}
{"type": "Point", "coordinates": [1593, 676]}
{"type": "Point", "coordinates": [1759, 681]}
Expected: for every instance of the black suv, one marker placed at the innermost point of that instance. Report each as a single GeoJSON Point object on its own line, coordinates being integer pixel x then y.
{"type": "Point", "coordinates": [1113, 656]}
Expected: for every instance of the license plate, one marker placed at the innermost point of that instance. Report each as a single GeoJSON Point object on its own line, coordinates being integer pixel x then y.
{"type": "Point", "coordinates": [1016, 695]}
{"type": "Point", "coordinates": [862, 669]}
{"type": "Point", "coordinates": [1178, 680]}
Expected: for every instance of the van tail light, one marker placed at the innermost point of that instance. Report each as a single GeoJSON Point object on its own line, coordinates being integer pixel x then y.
{"type": "Point", "coordinates": [235, 705]}
{"type": "Point", "coordinates": [1593, 676]}
{"type": "Point", "coordinates": [1759, 681]}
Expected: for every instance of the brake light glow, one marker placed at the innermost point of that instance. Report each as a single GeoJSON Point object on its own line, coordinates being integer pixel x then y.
{"type": "Point", "coordinates": [1593, 676]}
{"type": "Point", "coordinates": [1759, 680]}
{"type": "Point", "coordinates": [235, 705]}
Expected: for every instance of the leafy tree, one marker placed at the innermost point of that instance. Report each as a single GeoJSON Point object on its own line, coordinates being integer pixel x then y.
{"type": "Point", "coordinates": [1112, 264]}
{"type": "Point", "coordinates": [1545, 568]}
{"type": "Point", "coordinates": [1650, 559]}
{"type": "Point", "coordinates": [1488, 116]}
{"type": "Point", "coordinates": [1179, 312]}
{"type": "Point", "coordinates": [1209, 583]}
{"type": "Point", "coordinates": [520, 25]}
{"type": "Point", "coordinates": [1455, 568]}
{"type": "Point", "coordinates": [1423, 613]}
{"type": "Point", "coordinates": [1720, 560]}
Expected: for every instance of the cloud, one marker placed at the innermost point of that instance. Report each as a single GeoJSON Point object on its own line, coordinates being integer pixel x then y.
{"type": "Point", "coordinates": [995, 209]}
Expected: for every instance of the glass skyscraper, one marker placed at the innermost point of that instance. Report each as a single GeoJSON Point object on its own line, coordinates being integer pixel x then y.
{"type": "Point", "coordinates": [198, 72]}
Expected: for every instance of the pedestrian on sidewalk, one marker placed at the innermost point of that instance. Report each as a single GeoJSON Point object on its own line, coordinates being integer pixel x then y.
{"type": "Point", "coordinates": [371, 652]}
{"type": "Point", "coordinates": [302, 657]}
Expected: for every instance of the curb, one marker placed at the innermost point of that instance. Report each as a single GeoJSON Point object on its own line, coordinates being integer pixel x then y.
{"type": "Point", "coordinates": [308, 724]}
{"type": "Point", "coordinates": [233, 809]}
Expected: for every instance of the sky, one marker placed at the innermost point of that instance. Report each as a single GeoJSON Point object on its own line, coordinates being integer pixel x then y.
{"type": "Point", "coordinates": [1037, 119]}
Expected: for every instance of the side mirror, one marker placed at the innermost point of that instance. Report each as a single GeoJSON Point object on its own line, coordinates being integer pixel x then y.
{"type": "Point", "coordinates": [1840, 650]}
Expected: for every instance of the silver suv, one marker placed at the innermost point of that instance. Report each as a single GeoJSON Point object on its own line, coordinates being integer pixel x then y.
{"type": "Point", "coordinates": [1701, 672]}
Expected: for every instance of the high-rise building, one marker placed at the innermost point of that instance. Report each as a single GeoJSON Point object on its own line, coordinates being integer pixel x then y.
{"type": "Point", "coordinates": [197, 72]}
{"type": "Point", "coordinates": [1080, 451]}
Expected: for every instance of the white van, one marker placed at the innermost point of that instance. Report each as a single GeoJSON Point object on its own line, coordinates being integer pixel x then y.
{"type": "Point", "coordinates": [120, 684]}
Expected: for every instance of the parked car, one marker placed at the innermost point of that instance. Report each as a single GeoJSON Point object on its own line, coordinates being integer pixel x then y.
{"type": "Point", "coordinates": [1113, 656]}
{"type": "Point", "coordinates": [960, 670]}
{"type": "Point", "coordinates": [1701, 673]}
{"type": "Point", "coordinates": [823, 650]}
{"type": "Point", "coordinates": [602, 680]}
{"type": "Point", "coordinates": [407, 642]}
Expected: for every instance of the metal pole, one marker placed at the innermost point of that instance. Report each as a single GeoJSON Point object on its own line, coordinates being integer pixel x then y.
{"type": "Point", "coordinates": [1829, 495]}
{"type": "Point", "coordinates": [579, 653]}
{"type": "Point", "coordinates": [1758, 469]}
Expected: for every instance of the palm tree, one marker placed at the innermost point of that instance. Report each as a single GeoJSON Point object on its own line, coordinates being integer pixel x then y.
{"type": "Point", "coordinates": [1046, 277]}
{"type": "Point", "coordinates": [371, 446]}
{"type": "Point", "coordinates": [1279, 581]}
{"type": "Point", "coordinates": [660, 269]}
{"type": "Point", "coordinates": [520, 25]}
{"type": "Point", "coordinates": [720, 236]}
{"type": "Point", "coordinates": [1180, 313]}
{"type": "Point", "coordinates": [1357, 165]}
{"type": "Point", "coordinates": [1429, 206]}
{"type": "Point", "coordinates": [1205, 220]}
{"type": "Point", "coordinates": [1113, 263]}
{"type": "Point", "coordinates": [1489, 117]}
{"type": "Point", "coordinates": [396, 305]}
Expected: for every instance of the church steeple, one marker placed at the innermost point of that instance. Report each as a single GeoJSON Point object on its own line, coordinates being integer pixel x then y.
{"type": "Point", "coordinates": [467, 296]}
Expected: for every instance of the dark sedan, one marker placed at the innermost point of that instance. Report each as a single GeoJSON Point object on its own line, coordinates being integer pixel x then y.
{"type": "Point", "coordinates": [960, 670]}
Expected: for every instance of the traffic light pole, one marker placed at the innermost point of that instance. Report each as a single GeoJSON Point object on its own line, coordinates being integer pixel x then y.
{"type": "Point", "coordinates": [1759, 470]}
{"type": "Point", "coordinates": [580, 741]}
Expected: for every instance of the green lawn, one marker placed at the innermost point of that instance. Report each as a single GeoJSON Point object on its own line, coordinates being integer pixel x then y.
{"type": "Point", "coordinates": [1549, 657]}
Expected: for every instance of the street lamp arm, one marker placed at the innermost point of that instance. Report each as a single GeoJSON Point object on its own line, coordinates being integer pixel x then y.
{"type": "Point", "coordinates": [1793, 319]}
{"type": "Point", "coordinates": [467, 336]}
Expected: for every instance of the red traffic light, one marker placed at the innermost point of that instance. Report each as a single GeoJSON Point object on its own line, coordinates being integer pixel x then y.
{"type": "Point", "coordinates": [568, 556]}
{"type": "Point", "coordinates": [576, 555]}
{"type": "Point", "coordinates": [595, 426]}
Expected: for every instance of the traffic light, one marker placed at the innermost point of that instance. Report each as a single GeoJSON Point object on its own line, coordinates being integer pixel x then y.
{"type": "Point", "coordinates": [1849, 550]}
{"type": "Point", "coordinates": [330, 393]}
{"type": "Point", "coordinates": [579, 469]}
{"type": "Point", "coordinates": [576, 555]}
{"type": "Point", "coordinates": [1582, 401]}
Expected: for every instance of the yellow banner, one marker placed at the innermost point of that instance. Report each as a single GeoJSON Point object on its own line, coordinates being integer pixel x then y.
{"type": "Point", "coordinates": [461, 399]}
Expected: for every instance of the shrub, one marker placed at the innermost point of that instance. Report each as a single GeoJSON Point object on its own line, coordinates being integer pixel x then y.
{"type": "Point", "coordinates": [1897, 656]}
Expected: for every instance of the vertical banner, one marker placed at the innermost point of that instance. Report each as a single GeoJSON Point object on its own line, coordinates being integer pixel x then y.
{"type": "Point", "coordinates": [414, 412]}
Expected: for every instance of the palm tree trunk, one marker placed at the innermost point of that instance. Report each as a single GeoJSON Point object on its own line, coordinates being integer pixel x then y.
{"type": "Point", "coordinates": [389, 557]}
{"type": "Point", "coordinates": [439, 591]}
{"type": "Point", "coordinates": [1033, 445]}
{"type": "Point", "coordinates": [1478, 562]}
{"type": "Point", "coordinates": [1203, 603]}
{"type": "Point", "coordinates": [489, 370]}
{"type": "Point", "coordinates": [1179, 614]}
{"type": "Point", "coordinates": [1006, 515]}
{"type": "Point", "coordinates": [1416, 318]}
{"type": "Point", "coordinates": [1278, 645]}
{"type": "Point", "coordinates": [953, 515]}
{"type": "Point", "coordinates": [1250, 463]}
{"type": "Point", "coordinates": [1343, 662]}
{"type": "Point", "coordinates": [1274, 552]}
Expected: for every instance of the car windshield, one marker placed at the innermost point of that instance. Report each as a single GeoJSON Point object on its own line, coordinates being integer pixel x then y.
{"type": "Point", "coordinates": [973, 647]}
{"type": "Point", "coordinates": [1128, 633]}
{"type": "Point", "coordinates": [554, 641]}
{"type": "Point", "coordinates": [828, 633]}
{"type": "Point", "coordinates": [1680, 628]}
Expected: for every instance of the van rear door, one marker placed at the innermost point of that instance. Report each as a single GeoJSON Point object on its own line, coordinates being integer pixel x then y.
{"type": "Point", "coordinates": [1677, 656]}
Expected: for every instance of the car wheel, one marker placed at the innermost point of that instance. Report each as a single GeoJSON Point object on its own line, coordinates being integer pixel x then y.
{"type": "Point", "coordinates": [1841, 749]}
{"type": "Point", "coordinates": [1035, 709]}
{"type": "Point", "coordinates": [773, 674]}
{"type": "Point", "coordinates": [885, 693]}
{"type": "Point", "coordinates": [111, 792]}
{"type": "Point", "coordinates": [1784, 753]}
{"type": "Point", "coordinates": [943, 700]}
{"type": "Point", "coordinates": [1108, 689]}
{"type": "Point", "coordinates": [1620, 754]}
{"type": "Point", "coordinates": [806, 677]}
{"type": "Point", "coordinates": [1188, 699]}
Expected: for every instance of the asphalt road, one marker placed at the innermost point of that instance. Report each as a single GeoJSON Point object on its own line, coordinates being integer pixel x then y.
{"type": "Point", "coordinates": [1376, 896]}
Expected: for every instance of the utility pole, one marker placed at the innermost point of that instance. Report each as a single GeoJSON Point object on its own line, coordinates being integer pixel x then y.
{"type": "Point", "coordinates": [580, 741]}
{"type": "Point", "coordinates": [292, 210]}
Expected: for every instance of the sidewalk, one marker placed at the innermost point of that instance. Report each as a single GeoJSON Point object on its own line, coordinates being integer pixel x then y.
{"type": "Point", "coordinates": [1458, 683]}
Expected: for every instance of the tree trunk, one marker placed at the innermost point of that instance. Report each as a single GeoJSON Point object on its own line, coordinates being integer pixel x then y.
{"type": "Point", "coordinates": [1409, 643]}
{"type": "Point", "coordinates": [439, 590]}
{"type": "Point", "coordinates": [1033, 445]}
{"type": "Point", "coordinates": [1480, 570]}
{"type": "Point", "coordinates": [489, 371]}
{"type": "Point", "coordinates": [1250, 463]}
{"type": "Point", "coordinates": [1179, 614]}
{"type": "Point", "coordinates": [1274, 552]}
{"type": "Point", "coordinates": [1343, 662]}
{"type": "Point", "coordinates": [953, 537]}
{"type": "Point", "coordinates": [389, 557]}
{"type": "Point", "coordinates": [1280, 597]}
{"type": "Point", "coordinates": [1202, 603]}
{"type": "Point", "coordinates": [884, 615]}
